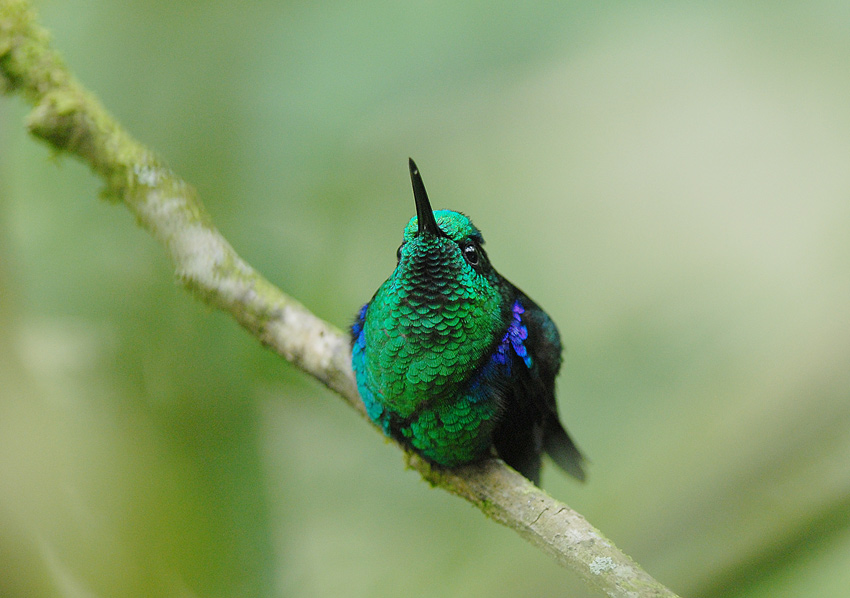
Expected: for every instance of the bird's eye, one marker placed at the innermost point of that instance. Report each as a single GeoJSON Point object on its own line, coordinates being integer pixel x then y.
{"type": "Point", "coordinates": [470, 252]}
{"type": "Point", "coordinates": [398, 253]}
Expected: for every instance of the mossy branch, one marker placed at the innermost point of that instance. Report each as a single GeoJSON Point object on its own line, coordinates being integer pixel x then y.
{"type": "Point", "coordinates": [71, 120]}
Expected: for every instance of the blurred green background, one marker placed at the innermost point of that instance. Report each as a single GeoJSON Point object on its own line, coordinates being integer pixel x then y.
{"type": "Point", "coordinates": [671, 181]}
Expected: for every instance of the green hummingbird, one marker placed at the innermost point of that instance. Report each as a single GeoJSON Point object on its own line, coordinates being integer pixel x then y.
{"type": "Point", "coordinates": [452, 360]}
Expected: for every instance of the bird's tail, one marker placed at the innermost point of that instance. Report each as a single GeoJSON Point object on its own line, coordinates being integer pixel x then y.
{"type": "Point", "coordinates": [558, 444]}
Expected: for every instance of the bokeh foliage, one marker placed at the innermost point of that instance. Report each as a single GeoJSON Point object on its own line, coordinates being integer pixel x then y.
{"type": "Point", "coordinates": [670, 181]}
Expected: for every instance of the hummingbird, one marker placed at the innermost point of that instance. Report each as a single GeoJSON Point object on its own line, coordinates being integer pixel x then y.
{"type": "Point", "coordinates": [454, 361]}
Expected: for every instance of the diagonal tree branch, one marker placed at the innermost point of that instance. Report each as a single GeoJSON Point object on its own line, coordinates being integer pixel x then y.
{"type": "Point", "coordinates": [71, 120]}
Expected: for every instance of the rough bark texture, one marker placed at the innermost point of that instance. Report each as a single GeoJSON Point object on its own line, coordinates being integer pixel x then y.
{"type": "Point", "coordinates": [71, 120]}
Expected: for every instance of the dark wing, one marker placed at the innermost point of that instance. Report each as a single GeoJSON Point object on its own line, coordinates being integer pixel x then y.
{"type": "Point", "coordinates": [530, 424]}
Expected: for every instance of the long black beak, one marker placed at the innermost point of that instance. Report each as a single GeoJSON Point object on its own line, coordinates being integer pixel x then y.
{"type": "Point", "coordinates": [424, 214]}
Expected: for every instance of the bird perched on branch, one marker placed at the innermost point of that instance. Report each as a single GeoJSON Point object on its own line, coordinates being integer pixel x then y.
{"type": "Point", "coordinates": [452, 359]}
